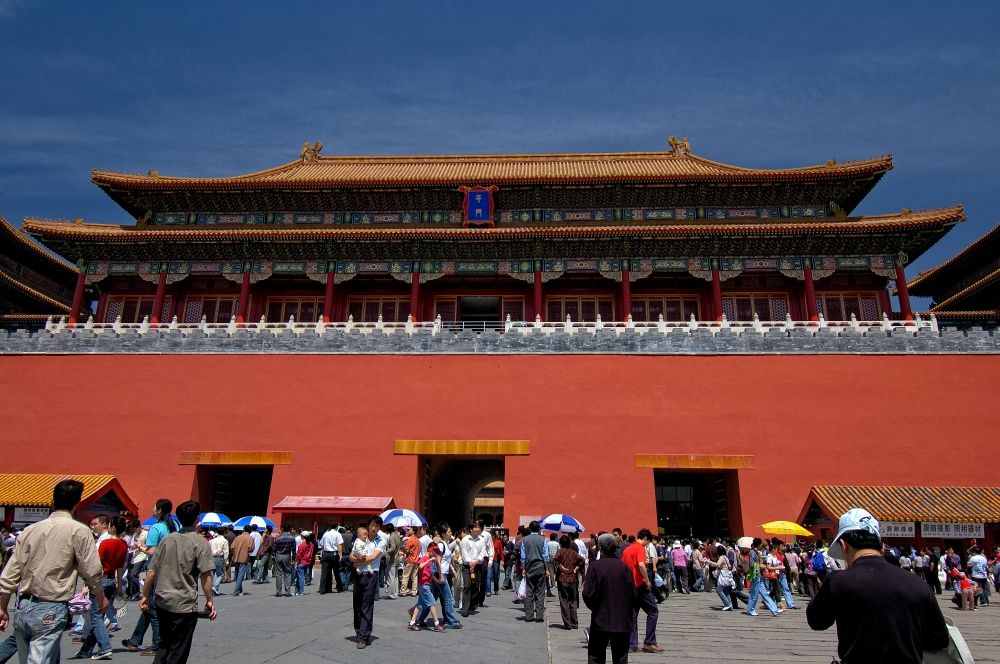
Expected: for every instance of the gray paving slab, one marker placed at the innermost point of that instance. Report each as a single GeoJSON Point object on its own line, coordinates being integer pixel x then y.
{"type": "Point", "coordinates": [262, 629]}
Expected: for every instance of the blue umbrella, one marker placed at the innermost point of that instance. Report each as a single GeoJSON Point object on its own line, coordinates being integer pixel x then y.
{"type": "Point", "coordinates": [561, 523]}
{"type": "Point", "coordinates": [403, 518]}
{"type": "Point", "coordinates": [213, 520]}
{"type": "Point", "coordinates": [148, 523]}
{"type": "Point", "coordinates": [260, 521]}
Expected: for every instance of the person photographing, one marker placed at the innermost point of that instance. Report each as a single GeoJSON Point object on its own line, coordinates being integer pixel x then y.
{"type": "Point", "coordinates": [882, 613]}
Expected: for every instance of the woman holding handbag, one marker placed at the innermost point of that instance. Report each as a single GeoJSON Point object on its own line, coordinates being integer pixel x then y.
{"type": "Point", "coordinates": [724, 580]}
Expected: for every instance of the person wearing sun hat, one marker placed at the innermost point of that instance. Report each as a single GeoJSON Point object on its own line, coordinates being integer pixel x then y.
{"type": "Point", "coordinates": [882, 613]}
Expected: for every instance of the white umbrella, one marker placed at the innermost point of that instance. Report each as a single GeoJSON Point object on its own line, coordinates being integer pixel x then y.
{"type": "Point", "coordinates": [561, 523]}
{"type": "Point", "coordinates": [403, 518]}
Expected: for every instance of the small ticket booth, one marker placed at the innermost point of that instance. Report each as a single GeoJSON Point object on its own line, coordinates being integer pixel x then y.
{"type": "Point", "coordinates": [27, 498]}
{"type": "Point", "coordinates": [318, 513]}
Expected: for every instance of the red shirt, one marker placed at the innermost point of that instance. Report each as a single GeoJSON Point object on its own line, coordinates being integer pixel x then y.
{"type": "Point", "coordinates": [498, 549]}
{"type": "Point", "coordinates": [304, 556]}
{"type": "Point", "coordinates": [112, 552]}
{"type": "Point", "coordinates": [634, 556]}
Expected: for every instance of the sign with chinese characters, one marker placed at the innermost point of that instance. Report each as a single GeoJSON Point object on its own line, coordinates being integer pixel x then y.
{"type": "Point", "coordinates": [30, 514]}
{"type": "Point", "coordinates": [478, 205]}
{"type": "Point", "coordinates": [951, 529]}
{"type": "Point", "coordinates": [897, 528]}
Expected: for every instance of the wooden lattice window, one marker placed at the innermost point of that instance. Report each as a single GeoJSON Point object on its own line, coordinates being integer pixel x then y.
{"type": "Point", "coordinates": [582, 308]}
{"type": "Point", "coordinates": [649, 308]}
{"type": "Point", "coordinates": [304, 309]}
{"type": "Point", "coordinates": [133, 309]}
{"type": "Point", "coordinates": [513, 307]}
{"type": "Point", "coordinates": [840, 306]}
{"type": "Point", "coordinates": [215, 309]}
{"type": "Point", "coordinates": [743, 306]}
{"type": "Point", "coordinates": [446, 308]}
{"type": "Point", "coordinates": [368, 309]}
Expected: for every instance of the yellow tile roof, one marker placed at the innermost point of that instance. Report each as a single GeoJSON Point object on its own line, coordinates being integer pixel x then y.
{"type": "Point", "coordinates": [913, 503]}
{"type": "Point", "coordinates": [12, 282]}
{"type": "Point", "coordinates": [496, 169]}
{"type": "Point", "coordinates": [36, 490]}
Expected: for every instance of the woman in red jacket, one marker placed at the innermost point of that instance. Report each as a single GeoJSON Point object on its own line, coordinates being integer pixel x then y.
{"type": "Point", "coordinates": [304, 559]}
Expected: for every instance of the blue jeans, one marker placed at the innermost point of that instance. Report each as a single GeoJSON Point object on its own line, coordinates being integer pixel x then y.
{"type": "Point", "coordinates": [425, 600]}
{"type": "Point", "coordinates": [147, 619]}
{"type": "Point", "coordinates": [300, 580]}
{"type": "Point", "coordinates": [8, 648]}
{"type": "Point", "coordinates": [220, 571]}
{"type": "Point", "coordinates": [242, 575]}
{"type": "Point", "coordinates": [699, 578]}
{"type": "Point", "coordinates": [757, 591]}
{"type": "Point", "coordinates": [98, 632]}
{"type": "Point", "coordinates": [443, 590]}
{"type": "Point", "coordinates": [723, 593]}
{"type": "Point", "coordinates": [785, 590]}
{"type": "Point", "coordinates": [38, 627]}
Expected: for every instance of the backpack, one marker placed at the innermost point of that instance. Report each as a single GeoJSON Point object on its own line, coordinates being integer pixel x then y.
{"type": "Point", "coordinates": [819, 563]}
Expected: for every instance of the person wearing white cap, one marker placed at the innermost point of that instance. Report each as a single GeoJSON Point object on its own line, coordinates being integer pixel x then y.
{"type": "Point", "coordinates": [882, 613]}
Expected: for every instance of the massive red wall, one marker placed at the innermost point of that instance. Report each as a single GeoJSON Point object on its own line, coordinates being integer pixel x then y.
{"type": "Point", "coordinates": [807, 419]}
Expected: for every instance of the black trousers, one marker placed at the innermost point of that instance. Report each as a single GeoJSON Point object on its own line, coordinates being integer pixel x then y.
{"type": "Point", "coordinates": [329, 572]}
{"type": "Point", "coordinates": [933, 581]}
{"type": "Point", "coordinates": [365, 587]}
{"type": "Point", "coordinates": [597, 647]}
{"type": "Point", "coordinates": [474, 591]}
{"type": "Point", "coordinates": [569, 600]}
{"type": "Point", "coordinates": [176, 633]}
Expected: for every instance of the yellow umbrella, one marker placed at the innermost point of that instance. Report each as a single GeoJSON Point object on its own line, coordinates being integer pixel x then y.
{"type": "Point", "coordinates": [785, 528]}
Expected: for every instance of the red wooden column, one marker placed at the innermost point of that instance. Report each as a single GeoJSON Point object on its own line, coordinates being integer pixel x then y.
{"type": "Point", "coordinates": [244, 306]}
{"type": "Point", "coordinates": [807, 275]}
{"type": "Point", "coordinates": [328, 298]}
{"type": "Point", "coordinates": [626, 295]}
{"type": "Point", "coordinates": [538, 295]}
{"type": "Point", "coordinates": [161, 291]}
{"type": "Point", "coordinates": [904, 293]}
{"type": "Point", "coordinates": [717, 294]}
{"type": "Point", "coordinates": [415, 296]}
{"type": "Point", "coordinates": [74, 311]}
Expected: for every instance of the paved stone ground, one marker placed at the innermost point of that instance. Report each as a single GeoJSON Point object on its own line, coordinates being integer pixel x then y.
{"type": "Point", "coordinates": [260, 628]}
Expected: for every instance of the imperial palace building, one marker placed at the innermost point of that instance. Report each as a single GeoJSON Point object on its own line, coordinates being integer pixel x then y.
{"type": "Point", "coordinates": [635, 339]}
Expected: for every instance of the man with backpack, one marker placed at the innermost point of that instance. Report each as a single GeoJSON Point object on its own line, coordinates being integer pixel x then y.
{"type": "Point", "coordinates": [819, 562]}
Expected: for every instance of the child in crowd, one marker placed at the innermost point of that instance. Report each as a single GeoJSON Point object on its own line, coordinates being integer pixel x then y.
{"type": "Point", "coordinates": [428, 571]}
{"type": "Point", "coordinates": [360, 541]}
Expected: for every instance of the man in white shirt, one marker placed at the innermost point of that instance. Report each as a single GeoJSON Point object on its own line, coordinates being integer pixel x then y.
{"type": "Point", "coordinates": [475, 553]}
{"type": "Point", "coordinates": [220, 554]}
{"type": "Point", "coordinates": [425, 541]}
{"type": "Point", "coordinates": [256, 537]}
{"type": "Point", "coordinates": [332, 548]}
{"type": "Point", "coordinates": [366, 580]}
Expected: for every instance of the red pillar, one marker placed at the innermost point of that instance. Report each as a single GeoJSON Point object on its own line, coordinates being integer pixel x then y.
{"type": "Point", "coordinates": [717, 294]}
{"type": "Point", "coordinates": [626, 295]}
{"type": "Point", "coordinates": [415, 296]}
{"type": "Point", "coordinates": [904, 294]}
{"type": "Point", "coordinates": [74, 311]}
{"type": "Point", "coordinates": [161, 291]}
{"type": "Point", "coordinates": [243, 311]}
{"type": "Point", "coordinates": [807, 275]}
{"type": "Point", "coordinates": [538, 296]}
{"type": "Point", "coordinates": [328, 298]}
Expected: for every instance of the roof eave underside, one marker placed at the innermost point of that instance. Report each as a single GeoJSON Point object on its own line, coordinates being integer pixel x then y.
{"type": "Point", "coordinates": [982, 250]}
{"type": "Point", "coordinates": [31, 254]}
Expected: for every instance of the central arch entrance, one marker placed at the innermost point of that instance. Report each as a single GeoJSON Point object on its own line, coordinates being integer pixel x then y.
{"type": "Point", "coordinates": [450, 486]}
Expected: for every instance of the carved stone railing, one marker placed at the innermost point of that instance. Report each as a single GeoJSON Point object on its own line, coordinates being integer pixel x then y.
{"type": "Point", "coordinates": [659, 338]}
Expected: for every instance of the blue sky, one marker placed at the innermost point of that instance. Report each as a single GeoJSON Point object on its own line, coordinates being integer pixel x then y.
{"type": "Point", "coordinates": [207, 89]}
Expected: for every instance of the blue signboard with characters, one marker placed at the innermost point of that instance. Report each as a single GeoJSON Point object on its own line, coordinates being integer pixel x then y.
{"type": "Point", "coordinates": [478, 205]}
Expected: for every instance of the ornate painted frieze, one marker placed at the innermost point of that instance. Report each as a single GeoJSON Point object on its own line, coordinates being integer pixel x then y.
{"type": "Point", "coordinates": [524, 269]}
{"type": "Point", "coordinates": [505, 216]}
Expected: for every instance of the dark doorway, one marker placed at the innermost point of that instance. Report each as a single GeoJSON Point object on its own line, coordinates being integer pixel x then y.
{"type": "Point", "coordinates": [235, 491]}
{"type": "Point", "coordinates": [479, 309]}
{"type": "Point", "coordinates": [693, 504]}
{"type": "Point", "coordinates": [449, 486]}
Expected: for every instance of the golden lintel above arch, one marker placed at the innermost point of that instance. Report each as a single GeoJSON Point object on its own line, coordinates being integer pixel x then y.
{"type": "Point", "coordinates": [463, 447]}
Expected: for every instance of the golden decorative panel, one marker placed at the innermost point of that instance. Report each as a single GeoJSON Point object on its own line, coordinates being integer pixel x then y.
{"type": "Point", "coordinates": [462, 447]}
{"type": "Point", "coordinates": [696, 461]}
{"type": "Point", "coordinates": [236, 458]}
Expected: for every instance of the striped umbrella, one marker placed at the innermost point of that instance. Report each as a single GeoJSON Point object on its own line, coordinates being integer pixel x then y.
{"type": "Point", "coordinates": [403, 518]}
{"type": "Point", "coordinates": [148, 523]}
{"type": "Point", "coordinates": [213, 520]}
{"type": "Point", "coordinates": [260, 521]}
{"type": "Point", "coordinates": [561, 523]}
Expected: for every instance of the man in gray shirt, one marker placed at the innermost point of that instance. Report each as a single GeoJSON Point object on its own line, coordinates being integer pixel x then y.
{"type": "Point", "coordinates": [182, 560]}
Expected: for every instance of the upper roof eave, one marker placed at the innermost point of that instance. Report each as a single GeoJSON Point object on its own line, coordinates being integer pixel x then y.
{"type": "Point", "coordinates": [105, 232]}
{"type": "Point", "coordinates": [924, 282]}
{"type": "Point", "coordinates": [23, 242]}
{"type": "Point", "coordinates": [508, 169]}
{"type": "Point", "coordinates": [988, 280]}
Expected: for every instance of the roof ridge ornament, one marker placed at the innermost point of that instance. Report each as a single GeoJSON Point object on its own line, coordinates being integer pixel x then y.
{"type": "Point", "coordinates": [311, 153]}
{"type": "Point", "coordinates": [679, 147]}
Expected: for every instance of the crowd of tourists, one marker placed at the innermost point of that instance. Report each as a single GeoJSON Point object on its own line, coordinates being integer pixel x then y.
{"type": "Point", "coordinates": [448, 574]}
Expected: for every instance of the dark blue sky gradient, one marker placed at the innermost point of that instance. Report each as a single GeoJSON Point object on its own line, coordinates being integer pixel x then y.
{"type": "Point", "coordinates": [214, 89]}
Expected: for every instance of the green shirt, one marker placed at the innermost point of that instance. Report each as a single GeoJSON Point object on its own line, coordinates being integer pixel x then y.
{"type": "Point", "coordinates": [181, 558]}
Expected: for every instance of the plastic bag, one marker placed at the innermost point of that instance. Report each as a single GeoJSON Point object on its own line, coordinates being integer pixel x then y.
{"type": "Point", "coordinates": [658, 580]}
{"type": "Point", "coordinates": [522, 589]}
{"type": "Point", "coordinates": [80, 604]}
{"type": "Point", "coordinates": [957, 651]}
